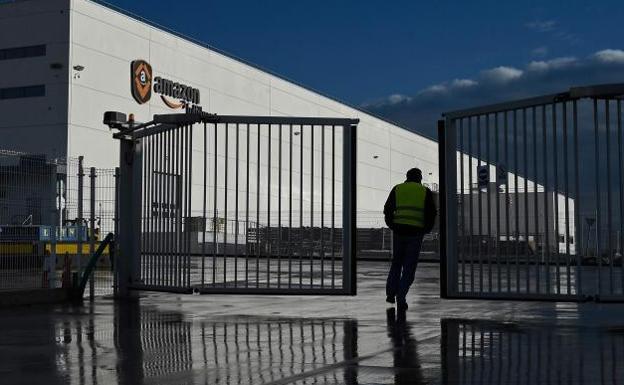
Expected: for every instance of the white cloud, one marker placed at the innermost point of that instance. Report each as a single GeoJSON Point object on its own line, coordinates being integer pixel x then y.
{"type": "Point", "coordinates": [398, 98]}
{"type": "Point", "coordinates": [540, 51]}
{"type": "Point", "coordinates": [501, 74]}
{"type": "Point", "coordinates": [556, 63]}
{"type": "Point", "coordinates": [436, 88]}
{"type": "Point", "coordinates": [541, 25]}
{"type": "Point", "coordinates": [463, 83]}
{"type": "Point", "coordinates": [610, 56]}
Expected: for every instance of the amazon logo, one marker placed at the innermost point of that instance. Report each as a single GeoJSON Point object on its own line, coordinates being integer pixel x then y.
{"type": "Point", "coordinates": [182, 93]}
{"type": "Point", "coordinates": [141, 81]}
{"type": "Point", "coordinates": [175, 95]}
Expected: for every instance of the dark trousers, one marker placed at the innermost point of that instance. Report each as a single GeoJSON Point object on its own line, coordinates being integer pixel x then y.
{"type": "Point", "coordinates": [406, 249]}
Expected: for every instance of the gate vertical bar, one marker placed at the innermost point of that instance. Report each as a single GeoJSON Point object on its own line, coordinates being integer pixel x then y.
{"type": "Point", "coordinates": [322, 224]}
{"type": "Point", "coordinates": [470, 199]}
{"type": "Point", "coordinates": [498, 219]}
{"type": "Point", "coordinates": [577, 217]}
{"type": "Point", "coordinates": [205, 195]}
{"type": "Point", "coordinates": [247, 161]}
{"type": "Point", "coordinates": [258, 209]}
{"type": "Point", "coordinates": [189, 170]}
{"type": "Point", "coordinates": [444, 258]}
{"type": "Point", "coordinates": [598, 219]}
{"type": "Point", "coordinates": [349, 206]}
{"type": "Point", "coordinates": [462, 239]}
{"type": "Point", "coordinates": [80, 218]}
{"type": "Point", "coordinates": [225, 202]}
{"type": "Point", "coordinates": [290, 201]}
{"type": "Point", "coordinates": [479, 201]}
{"type": "Point", "coordinates": [214, 207]}
{"type": "Point", "coordinates": [489, 202]}
{"type": "Point", "coordinates": [609, 223]}
{"type": "Point", "coordinates": [333, 206]}
{"type": "Point", "coordinates": [525, 158]}
{"type": "Point", "coordinates": [279, 208]}
{"type": "Point", "coordinates": [92, 228]}
{"type": "Point", "coordinates": [621, 190]}
{"type": "Point", "coordinates": [507, 219]}
{"type": "Point", "coordinates": [312, 206]}
{"type": "Point", "coordinates": [269, 238]}
{"type": "Point", "coordinates": [148, 200]}
{"type": "Point", "coordinates": [556, 195]}
{"type": "Point", "coordinates": [236, 187]}
{"type": "Point", "coordinates": [450, 217]}
{"type": "Point", "coordinates": [516, 199]}
{"type": "Point", "coordinates": [536, 199]}
{"type": "Point", "coordinates": [300, 251]}
{"type": "Point", "coordinates": [546, 224]}
{"type": "Point", "coordinates": [566, 190]}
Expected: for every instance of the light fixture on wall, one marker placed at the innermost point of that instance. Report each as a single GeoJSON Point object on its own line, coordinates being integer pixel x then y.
{"type": "Point", "coordinates": [78, 68]}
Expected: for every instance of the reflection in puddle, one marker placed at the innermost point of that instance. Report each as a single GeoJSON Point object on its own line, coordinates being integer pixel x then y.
{"type": "Point", "coordinates": [484, 352]}
{"type": "Point", "coordinates": [158, 347]}
{"type": "Point", "coordinates": [133, 344]}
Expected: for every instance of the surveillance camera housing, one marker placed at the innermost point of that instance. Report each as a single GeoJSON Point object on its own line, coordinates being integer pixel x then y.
{"type": "Point", "coordinates": [114, 119]}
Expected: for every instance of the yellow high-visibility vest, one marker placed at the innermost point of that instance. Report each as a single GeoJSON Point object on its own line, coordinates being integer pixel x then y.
{"type": "Point", "coordinates": [410, 204]}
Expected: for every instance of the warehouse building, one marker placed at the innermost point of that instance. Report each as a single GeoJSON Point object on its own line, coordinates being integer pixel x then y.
{"type": "Point", "coordinates": [74, 61]}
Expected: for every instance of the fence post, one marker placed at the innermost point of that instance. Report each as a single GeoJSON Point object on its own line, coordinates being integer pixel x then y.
{"type": "Point", "coordinates": [51, 263]}
{"type": "Point", "coordinates": [92, 177]}
{"type": "Point", "coordinates": [130, 178]}
{"type": "Point", "coordinates": [80, 219]}
{"type": "Point", "coordinates": [113, 250]}
{"type": "Point", "coordinates": [349, 202]}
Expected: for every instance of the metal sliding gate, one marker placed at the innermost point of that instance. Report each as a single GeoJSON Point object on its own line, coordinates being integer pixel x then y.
{"type": "Point", "coordinates": [533, 203]}
{"type": "Point", "coordinates": [238, 204]}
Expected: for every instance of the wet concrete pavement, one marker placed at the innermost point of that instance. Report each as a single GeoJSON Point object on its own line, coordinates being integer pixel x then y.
{"type": "Point", "coordinates": [225, 339]}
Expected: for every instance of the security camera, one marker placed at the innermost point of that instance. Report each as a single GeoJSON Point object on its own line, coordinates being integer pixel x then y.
{"type": "Point", "coordinates": [115, 119]}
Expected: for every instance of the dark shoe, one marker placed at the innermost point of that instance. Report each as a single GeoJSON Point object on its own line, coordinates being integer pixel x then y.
{"type": "Point", "coordinates": [402, 307]}
{"type": "Point", "coordinates": [390, 298]}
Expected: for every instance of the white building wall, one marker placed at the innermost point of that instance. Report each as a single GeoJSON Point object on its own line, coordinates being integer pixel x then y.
{"type": "Point", "coordinates": [38, 124]}
{"type": "Point", "coordinates": [67, 121]}
{"type": "Point", "coordinates": [105, 42]}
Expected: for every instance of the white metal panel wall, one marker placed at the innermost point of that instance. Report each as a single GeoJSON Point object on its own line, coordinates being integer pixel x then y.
{"type": "Point", "coordinates": [227, 86]}
{"type": "Point", "coordinates": [38, 124]}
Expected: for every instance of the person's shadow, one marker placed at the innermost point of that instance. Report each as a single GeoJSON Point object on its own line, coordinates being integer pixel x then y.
{"type": "Point", "coordinates": [406, 362]}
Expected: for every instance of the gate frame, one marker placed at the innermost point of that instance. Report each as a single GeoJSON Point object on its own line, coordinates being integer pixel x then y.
{"type": "Point", "coordinates": [447, 153]}
{"type": "Point", "coordinates": [130, 187]}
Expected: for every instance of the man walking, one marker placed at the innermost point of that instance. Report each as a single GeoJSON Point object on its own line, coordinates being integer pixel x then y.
{"type": "Point", "coordinates": [410, 213]}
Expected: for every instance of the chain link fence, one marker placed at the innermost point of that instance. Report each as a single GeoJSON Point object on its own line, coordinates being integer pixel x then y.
{"type": "Point", "coordinates": [53, 215]}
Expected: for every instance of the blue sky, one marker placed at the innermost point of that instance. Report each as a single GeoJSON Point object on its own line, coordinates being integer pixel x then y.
{"type": "Point", "coordinates": [376, 54]}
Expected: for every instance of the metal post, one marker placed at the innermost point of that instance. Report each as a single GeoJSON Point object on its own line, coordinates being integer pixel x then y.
{"type": "Point", "coordinates": [443, 202]}
{"type": "Point", "coordinates": [448, 222]}
{"type": "Point", "coordinates": [349, 201]}
{"type": "Point", "coordinates": [129, 220]}
{"type": "Point", "coordinates": [116, 230]}
{"type": "Point", "coordinates": [51, 265]}
{"type": "Point", "coordinates": [92, 227]}
{"type": "Point", "coordinates": [80, 219]}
